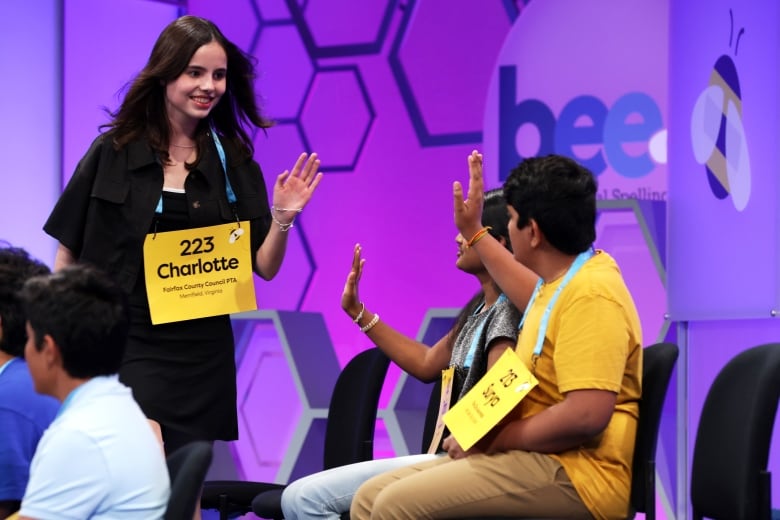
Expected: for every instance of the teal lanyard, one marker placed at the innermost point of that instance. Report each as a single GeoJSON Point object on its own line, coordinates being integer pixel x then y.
{"type": "Point", "coordinates": [478, 333]}
{"type": "Point", "coordinates": [545, 321]}
{"type": "Point", "coordinates": [231, 196]}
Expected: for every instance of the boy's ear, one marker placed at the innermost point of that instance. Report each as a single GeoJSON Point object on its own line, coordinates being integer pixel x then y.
{"type": "Point", "coordinates": [536, 233]}
{"type": "Point", "coordinates": [51, 351]}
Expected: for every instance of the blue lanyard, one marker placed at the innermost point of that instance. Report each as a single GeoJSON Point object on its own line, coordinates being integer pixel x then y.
{"type": "Point", "coordinates": [231, 196]}
{"type": "Point", "coordinates": [478, 333]}
{"type": "Point", "coordinates": [575, 266]}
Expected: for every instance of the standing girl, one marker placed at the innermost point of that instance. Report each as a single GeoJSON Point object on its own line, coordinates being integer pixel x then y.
{"type": "Point", "coordinates": [177, 155]}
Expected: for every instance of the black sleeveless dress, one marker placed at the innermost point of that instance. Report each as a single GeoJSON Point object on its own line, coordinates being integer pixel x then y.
{"type": "Point", "coordinates": [182, 374]}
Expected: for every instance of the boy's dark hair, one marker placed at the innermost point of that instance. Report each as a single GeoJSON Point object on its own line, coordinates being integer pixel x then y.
{"type": "Point", "coordinates": [16, 267]}
{"type": "Point", "coordinates": [560, 195]}
{"type": "Point", "coordinates": [86, 315]}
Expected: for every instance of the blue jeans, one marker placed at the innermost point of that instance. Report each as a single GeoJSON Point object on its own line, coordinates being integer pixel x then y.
{"type": "Point", "coordinates": [329, 493]}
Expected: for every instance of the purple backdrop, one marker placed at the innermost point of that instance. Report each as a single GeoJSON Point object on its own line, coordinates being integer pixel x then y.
{"type": "Point", "coordinates": [394, 96]}
{"type": "Point", "coordinates": [723, 236]}
{"type": "Point", "coordinates": [30, 34]}
{"type": "Point", "coordinates": [719, 215]}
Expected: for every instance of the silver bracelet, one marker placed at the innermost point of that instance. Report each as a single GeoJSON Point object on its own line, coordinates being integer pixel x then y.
{"type": "Point", "coordinates": [282, 210]}
{"type": "Point", "coordinates": [360, 314]}
{"type": "Point", "coordinates": [282, 226]}
{"type": "Point", "coordinates": [370, 325]}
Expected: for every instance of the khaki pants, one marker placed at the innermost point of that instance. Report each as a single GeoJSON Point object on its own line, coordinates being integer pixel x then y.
{"type": "Point", "coordinates": [516, 483]}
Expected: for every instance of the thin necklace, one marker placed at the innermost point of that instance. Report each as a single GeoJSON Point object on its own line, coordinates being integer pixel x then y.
{"type": "Point", "coordinates": [556, 277]}
{"type": "Point", "coordinates": [183, 145]}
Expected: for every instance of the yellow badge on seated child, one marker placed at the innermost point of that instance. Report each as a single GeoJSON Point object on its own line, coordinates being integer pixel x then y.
{"type": "Point", "coordinates": [201, 272]}
{"type": "Point", "coordinates": [445, 398]}
{"type": "Point", "coordinates": [490, 400]}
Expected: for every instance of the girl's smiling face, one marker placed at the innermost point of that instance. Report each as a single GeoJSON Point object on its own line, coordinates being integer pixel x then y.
{"type": "Point", "coordinates": [190, 97]}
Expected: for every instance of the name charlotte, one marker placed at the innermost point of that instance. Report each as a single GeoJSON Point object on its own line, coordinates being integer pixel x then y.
{"type": "Point", "coordinates": [171, 270]}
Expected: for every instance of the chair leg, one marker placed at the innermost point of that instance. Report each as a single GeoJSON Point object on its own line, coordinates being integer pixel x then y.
{"type": "Point", "coordinates": [650, 491]}
{"type": "Point", "coordinates": [223, 507]}
{"type": "Point", "coordinates": [765, 495]}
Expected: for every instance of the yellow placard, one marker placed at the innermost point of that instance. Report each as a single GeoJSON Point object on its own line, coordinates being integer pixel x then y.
{"type": "Point", "coordinates": [490, 400]}
{"type": "Point", "coordinates": [199, 272]}
{"type": "Point", "coordinates": [445, 398]}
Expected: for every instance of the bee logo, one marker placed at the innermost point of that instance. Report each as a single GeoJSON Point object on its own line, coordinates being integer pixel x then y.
{"type": "Point", "coordinates": [717, 134]}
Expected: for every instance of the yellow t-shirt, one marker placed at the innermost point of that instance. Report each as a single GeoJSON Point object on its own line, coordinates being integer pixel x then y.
{"type": "Point", "coordinates": [593, 341]}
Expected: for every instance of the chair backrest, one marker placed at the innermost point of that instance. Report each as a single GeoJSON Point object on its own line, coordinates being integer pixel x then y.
{"type": "Point", "coordinates": [349, 435]}
{"type": "Point", "coordinates": [729, 477]}
{"type": "Point", "coordinates": [431, 414]}
{"type": "Point", "coordinates": [658, 364]}
{"type": "Point", "coordinates": [187, 468]}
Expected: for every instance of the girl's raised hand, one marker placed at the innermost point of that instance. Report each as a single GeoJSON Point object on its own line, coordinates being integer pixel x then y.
{"type": "Point", "coordinates": [293, 188]}
{"type": "Point", "coordinates": [350, 301]}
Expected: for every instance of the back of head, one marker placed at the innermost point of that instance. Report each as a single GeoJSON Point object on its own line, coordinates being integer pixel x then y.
{"type": "Point", "coordinates": [495, 215]}
{"type": "Point", "coordinates": [85, 313]}
{"type": "Point", "coordinates": [560, 195]}
{"type": "Point", "coordinates": [16, 267]}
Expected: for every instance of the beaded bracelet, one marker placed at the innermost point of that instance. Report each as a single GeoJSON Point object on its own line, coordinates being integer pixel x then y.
{"type": "Point", "coordinates": [370, 325]}
{"type": "Point", "coordinates": [282, 210]}
{"type": "Point", "coordinates": [360, 314]}
{"type": "Point", "coordinates": [478, 235]}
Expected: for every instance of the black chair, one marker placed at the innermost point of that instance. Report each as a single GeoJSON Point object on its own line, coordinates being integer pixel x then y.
{"type": "Point", "coordinates": [729, 475]}
{"type": "Point", "coordinates": [349, 434]}
{"type": "Point", "coordinates": [187, 467]}
{"type": "Point", "coordinates": [431, 415]}
{"type": "Point", "coordinates": [658, 364]}
{"type": "Point", "coordinates": [269, 503]}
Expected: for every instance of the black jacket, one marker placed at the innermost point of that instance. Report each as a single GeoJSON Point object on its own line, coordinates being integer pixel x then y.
{"type": "Point", "coordinates": [107, 208]}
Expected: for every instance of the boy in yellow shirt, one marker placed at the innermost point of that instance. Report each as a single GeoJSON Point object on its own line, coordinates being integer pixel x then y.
{"type": "Point", "coordinates": [565, 451]}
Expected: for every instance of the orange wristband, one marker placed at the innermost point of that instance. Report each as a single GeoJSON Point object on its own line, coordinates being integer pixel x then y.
{"type": "Point", "coordinates": [478, 235]}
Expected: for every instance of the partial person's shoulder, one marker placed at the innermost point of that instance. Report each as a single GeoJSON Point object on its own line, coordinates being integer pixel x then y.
{"type": "Point", "coordinates": [27, 403]}
{"type": "Point", "coordinates": [601, 267]}
{"type": "Point", "coordinates": [505, 318]}
{"type": "Point", "coordinates": [506, 308]}
{"type": "Point", "coordinates": [600, 277]}
{"type": "Point", "coordinates": [98, 143]}
{"type": "Point", "coordinates": [65, 441]}
{"type": "Point", "coordinates": [91, 159]}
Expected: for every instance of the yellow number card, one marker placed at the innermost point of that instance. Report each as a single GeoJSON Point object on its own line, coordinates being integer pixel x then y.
{"type": "Point", "coordinates": [490, 400]}
{"type": "Point", "coordinates": [444, 404]}
{"type": "Point", "coordinates": [199, 272]}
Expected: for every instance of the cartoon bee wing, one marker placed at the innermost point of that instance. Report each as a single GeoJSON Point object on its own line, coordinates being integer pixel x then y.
{"type": "Point", "coordinates": [737, 157]}
{"type": "Point", "coordinates": [705, 122]}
